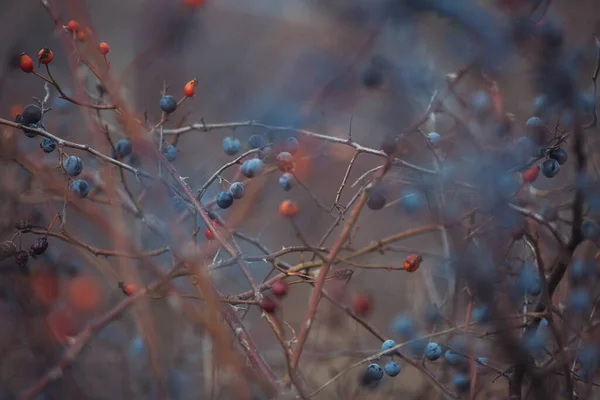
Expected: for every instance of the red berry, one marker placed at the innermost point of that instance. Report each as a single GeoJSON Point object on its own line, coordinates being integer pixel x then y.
{"type": "Point", "coordinates": [129, 289]}
{"type": "Point", "coordinates": [45, 56]}
{"type": "Point", "coordinates": [531, 174]}
{"type": "Point", "coordinates": [189, 90]}
{"type": "Point", "coordinates": [412, 262]}
{"type": "Point", "coordinates": [26, 63]}
{"type": "Point", "coordinates": [208, 234]}
{"type": "Point", "coordinates": [103, 47]}
{"type": "Point", "coordinates": [73, 26]}
{"type": "Point", "coordinates": [288, 209]}
{"type": "Point", "coordinates": [268, 305]}
{"type": "Point", "coordinates": [280, 288]}
{"type": "Point", "coordinates": [361, 304]}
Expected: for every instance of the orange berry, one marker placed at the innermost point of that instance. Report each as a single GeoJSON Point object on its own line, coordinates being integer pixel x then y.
{"type": "Point", "coordinates": [104, 49]}
{"type": "Point", "coordinates": [45, 286]}
{"type": "Point", "coordinates": [84, 34]}
{"type": "Point", "coordinates": [531, 174]}
{"type": "Point", "coordinates": [189, 90]}
{"type": "Point", "coordinates": [73, 26]}
{"type": "Point", "coordinates": [26, 63]}
{"type": "Point", "coordinates": [129, 289]}
{"type": "Point", "coordinates": [361, 304]}
{"type": "Point", "coordinates": [45, 56]}
{"type": "Point", "coordinates": [412, 262]}
{"type": "Point", "coordinates": [288, 209]}
{"type": "Point", "coordinates": [83, 293]}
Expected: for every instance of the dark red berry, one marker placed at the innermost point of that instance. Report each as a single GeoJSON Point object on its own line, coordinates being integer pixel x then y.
{"type": "Point", "coordinates": [268, 305]}
{"type": "Point", "coordinates": [361, 304]}
{"type": "Point", "coordinates": [21, 258]}
{"type": "Point", "coordinates": [39, 246]}
{"type": "Point", "coordinates": [280, 288]}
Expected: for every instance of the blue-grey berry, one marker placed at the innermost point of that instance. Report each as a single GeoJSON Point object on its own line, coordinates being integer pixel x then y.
{"type": "Point", "coordinates": [48, 145]}
{"type": "Point", "coordinates": [291, 145]}
{"type": "Point", "coordinates": [374, 372]}
{"type": "Point", "coordinates": [170, 153]}
{"type": "Point", "coordinates": [433, 351]}
{"type": "Point", "coordinates": [286, 181]}
{"type": "Point", "coordinates": [251, 168]}
{"type": "Point", "coordinates": [73, 165]}
{"type": "Point", "coordinates": [392, 368]}
{"type": "Point", "coordinates": [237, 190]}
{"type": "Point", "coordinates": [388, 344]}
{"type": "Point", "coordinates": [80, 187]}
{"type": "Point", "coordinates": [231, 146]}
{"type": "Point", "coordinates": [123, 148]}
{"type": "Point", "coordinates": [168, 104]}
{"type": "Point", "coordinates": [257, 142]}
{"type": "Point", "coordinates": [224, 200]}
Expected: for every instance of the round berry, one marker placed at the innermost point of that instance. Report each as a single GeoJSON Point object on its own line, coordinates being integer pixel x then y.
{"type": "Point", "coordinates": [39, 246]}
{"type": "Point", "coordinates": [288, 209]}
{"type": "Point", "coordinates": [280, 288]}
{"type": "Point", "coordinates": [433, 351]}
{"type": "Point", "coordinates": [73, 165]}
{"type": "Point", "coordinates": [392, 368]}
{"type": "Point", "coordinates": [45, 56]}
{"type": "Point", "coordinates": [579, 301]}
{"type": "Point", "coordinates": [268, 305]}
{"type": "Point", "coordinates": [237, 190]}
{"type": "Point", "coordinates": [231, 146]}
{"type": "Point", "coordinates": [361, 304]}
{"type": "Point", "coordinates": [432, 315]}
{"type": "Point", "coordinates": [412, 262]}
{"type": "Point", "coordinates": [252, 167]}
{"type": "Point", "coordinates": [372, 77]}
{"type": "Point", "coordinates": [25, 63]}
{"type": "Point", "coordinates": [559, 154]}
{"type": "Point", "coordinates": [48, 145]}
{"type": "Point", "coordinates": [481, 314]}
{"type": "Point", "coordinates": [528, 282]}
{"type": "Point", "coordinates": [103, 47]}
{"type": "Point", "coordinates": [257, 142]}
{"type": "Point", "coordinates": [388, 344]}
{"type": "Point", "coordinates": [208, 234]}
{"type": "Point", "coordinates": [377, 198]}
{"type": "Point", "coordinates": [284, 161]}
{"type": "Point", "coordinates": [224, 200]}
{"type": "Point", "coordinates": [189, 90]}
{"type": "Point", "coordinates": [454, 358]}
{"type": "Point", "coordinates": [286, 181]}
{"type": "Point", "coordinates": [374, 372]}
{"type": "Point", "coordinates": [434, 138]}
{"type": "Point", "coordinates": [73, 26]}
{"type": "Point", "coordinates": [403, 325]}
{"type": "Point", "coordinates": [550, 168]}
{"type": "Point", "coordinates": [412, 201]}
{"type": "Point", "coordinates": [168, 104]}
{"type": "Point", "coordinates": [461, 382]}
{"type": "Point", "coordinates": [590, 229]}
{"type": "Point", "coordinates": [170, 153]}
{"type": "Point", "coordinates": [31, 114]}
{"type": "Point", "coordinates": [123, 148]}
{"type": "Point", "coordinates": [580, 270]}
{"type": "Point", "coordinates": [80, 187]}
{"type": "Point", "coordinates": [531, 174]}
{"type": "Point", "coordinates": [21, 258]}
{"type": "Point", "coordinates": [291, 145]}
{"type": "Point", "coordinates": [31, 134]}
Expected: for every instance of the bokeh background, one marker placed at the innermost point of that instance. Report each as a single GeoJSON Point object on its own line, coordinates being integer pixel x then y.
{"type": "Point", "coordinates": [283, 62]}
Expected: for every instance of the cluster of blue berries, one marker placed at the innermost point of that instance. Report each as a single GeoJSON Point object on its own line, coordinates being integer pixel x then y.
{"type": "Point", "coordinates": [73, 166]}
{"type": "Point", "coordinates": [236, 191]}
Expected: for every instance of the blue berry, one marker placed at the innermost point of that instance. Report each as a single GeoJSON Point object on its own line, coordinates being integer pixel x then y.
{"type": "Point", "coordinates": [286, 181]}
{"type": "Point", "coordinates": [168, 104]}
{"type": "Point", "coordinates": [48, 145]}
{"type": "Point", "coordinates": [170, 153]}
{"type": "Point", "coordinates": [377, 198]}
{"type": "Point", "coordinates": [461, 382]}
{"type": "Point", "coordinates": [579, 301]}
{"type": "Point", "coordinates": [224, 200]}
{"type": "Point", "coordinates": [265, 153]}
{"type": "Point", "coordinates": [454, 358]}
{"type": "Point", "coordinates": [417, 346]}
{"type": "Point", "coordinates": [528, 282]}
{"type": "Point", "coordinates": [251, 168]}
{"type": "Point", "coordinates": [434, 138]}
{"type": "Point", "coordinates": [481, 314]}
{"type": "Point", "coordinates": [237, 190]}
{"type": "Point", "coordinates": [372, 76]}
{"type": "Point", "coordinates": [30, 134]}
{"type": "Point", "coordinates": [31, 114]}
{"type": "Point", "coordinates": [403, 325]}
{"type": "Point", "coordinates": [73, 165]}
{"type": "Point", "coordinates": [590, 229]}
{"type": "Point", "coordinates": [123, 148]}
{"type": "Point", "coordinates": [374, 372]}
{"type": "Point", "coordinates": [580, 270]}
{"type": "Point", "coordinates": [257, 142]}
{"type": "Point", "coordinates": [81, 188]}
{"type": "Point", "coordinates": [231, 146]}
{"type": "Point", "coordinates": [559, 155]}
{"type": "Point", "coordinates": [550, 168]}
{"type": "Point", "coordinates": [388, 344]}
{"type": "Point", "coordinates": [433, 351]}
{"type": "Point", "coordinates": [392, 368]}
{"type": "Point", "coordinates": [291, 145]}
{"type": "Point", "coordinates": [412, 201]}
{"type": "Point", "coordinates": [432, 315]}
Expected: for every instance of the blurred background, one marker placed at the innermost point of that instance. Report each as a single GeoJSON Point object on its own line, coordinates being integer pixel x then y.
{"type": "Point", "coordinates": [301, 63]}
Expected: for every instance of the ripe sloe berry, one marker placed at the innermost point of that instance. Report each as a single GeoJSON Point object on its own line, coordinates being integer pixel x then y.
{"type": "Point", "coordinates": [461, 382]}
{"type": "Point", "coordinates": [224, 200]}
{"type": "Point", "coordinates": [377, 198]}
{"type": "Point", "coordinates": [579, 301]}
{"type": "Point", "coordinates": [374, 372]}
{"type": "Point", "coordinates": [39, 246]}
{"type": "Point", "coordinates": [73, 165]}
{"type": "Point", "coordinates": [48, 145]}
{"type": "Point", "coordinates": [31, 114]}
{"type": "Point", "coordinates": [265, 153]}
{"type": "Point", "coordinates": [291, 145]}
{"type": "Point", "coordinates": [251, 168]}
{"type": "Point", "coordinates": [168, 104]}
{"type": "Point", "coordinates": [454, 358]}
{"type": "Point", "coordinates": [528, 282]}
{"type": "Point", "coordinates": [559, 155]}
{"type": "Point", "coordinates": [590, 229]}
{"type": "Point", "coordinates": [81, 188]}
{"type": "Point", "coordinates": [257, 142]}
{"type": "Point", "coordinates": [388, 344]}
{"type": "Point", "coordinates": [231, 146]}
{"type": "Point", "coordinates": [170, 153]}
{"type": "Point", "coordinates": [392, 368]}
{"type": "Point", "coordinates": [403, 325]}
{"type": "Point", "coordinates": [550, 168]}
{"type": "Point", "coordinates": [123, 148]}
{"type": "Point", "coordinates": [237, 190]}
{"type": "Point", "coordinates": [286, 181]}
{"type": "Point", "coordinates": [434, 138]}
{"type": "Point", "coordinates": [433, 351]}
{"type": "Point", "coordinates": [31, 134]}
